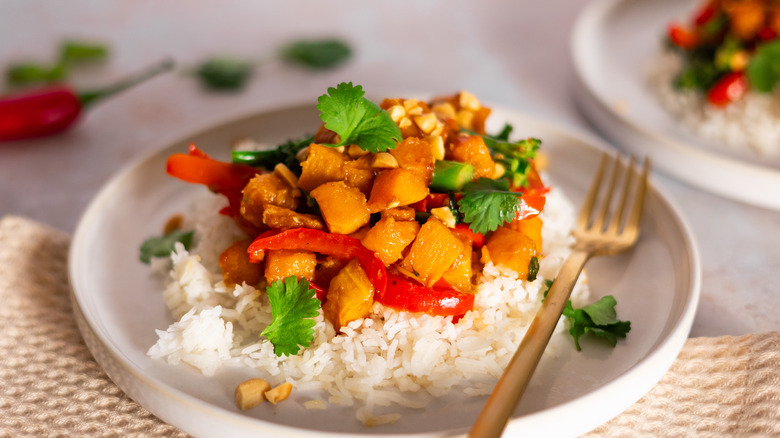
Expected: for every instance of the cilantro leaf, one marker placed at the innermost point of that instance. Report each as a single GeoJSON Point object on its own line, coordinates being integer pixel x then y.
{"type": "Point", "coordinates": [26, 73]}
{"type": "Point", "coordinates": [293, 305]}
{"type": "Point", "coordinates": [162, 246]}
{"type": "Point", "coordinates": [488, 204]}
{"type": "Point", "coordinates": [599, 318]}
{"type": "Point", "coordinates": [316, 54]}
{"type": "Point", "coordinates": [357, 120]}
{"type": "Point", "coordinates": [763, 71]}
{"type": "Point", "coordinates": [224, 73]}
{"type": "Point", "coordinates": [82, 51]}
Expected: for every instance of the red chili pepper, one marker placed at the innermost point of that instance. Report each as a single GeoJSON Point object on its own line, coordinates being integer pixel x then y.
{"type": "Point", "coordinates": [403, 294]}
{"type": "Point", "coordinates": [50, 110]}
{"type": "Point", "coordinates": [221, 177]}
{"type": "Point", "coordinates": [767, 33]}
{"type": "Point", "coordinates": [729, 88]}
{"type": "Point", "coordinates": [683, 38]}
{"type": "Point", "coordinates": [463, 230]}
{"type": "Point", "coordinates": [705, 14]}
{"type": "Point", "coordinates": [337, 245]}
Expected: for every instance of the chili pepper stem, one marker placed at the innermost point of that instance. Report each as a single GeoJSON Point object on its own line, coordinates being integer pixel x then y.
{"type": "Point", "coordinates": [88, 98]}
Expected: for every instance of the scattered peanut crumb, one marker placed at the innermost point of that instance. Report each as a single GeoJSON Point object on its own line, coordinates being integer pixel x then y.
{"type": "Point", "coordinates": [251, 393]}
{"type": "Point", "coordinates": [173, 224]}
{"type": "Point", "coordinates": [315, 404]}
{"type": "Point", "coordinates": [279, 393]}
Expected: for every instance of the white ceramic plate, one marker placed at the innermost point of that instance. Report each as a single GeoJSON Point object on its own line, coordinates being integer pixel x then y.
{"type": "Point", "coordinates": [612, 43]}
{"type": "Point", "coordinates": [118, 306]}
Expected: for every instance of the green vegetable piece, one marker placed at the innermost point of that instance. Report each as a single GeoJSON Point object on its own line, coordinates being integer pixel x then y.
{"type": "Point", "coordinates": [357, 120]}
{"type": "Point", "coordinates": [162, 246]}
{"type": "Point", "coordinates": [505, 132]}
{"type": "Point", "coordinates": [224, 74]}
{"type": "Point", "coordinates": [451, 175]}
{"type": "Point", "coordinates": [317, 54]}
{"type": "Point", "coordinates": [33, 73]}
{"type": "Point", "coordinates": [488, 204]}
{"type": "Point", "coordinates": [533, 269]}
{"type": "Point", "coordinates": [763, 70]}
{"type": "Point", "coordinates": [293, 307]}
{"type": "Point", "coordinates": [82, 51]}
{"type": "Point", "coordinates": [599, 318]}
{"type": "Point", "coordinates": [285, 153]}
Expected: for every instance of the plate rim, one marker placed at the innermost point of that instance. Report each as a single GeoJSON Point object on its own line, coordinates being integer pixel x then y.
{"type": "Point", "coordinates": [658, 359]}
{"type": "Point", "coordinates": [634, 136]}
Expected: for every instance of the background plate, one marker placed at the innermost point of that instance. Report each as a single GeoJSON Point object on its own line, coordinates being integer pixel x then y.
{"type": "Point", "coordinates": [118, 305]}
{"type": "Point", "coordinates": [612, 44]}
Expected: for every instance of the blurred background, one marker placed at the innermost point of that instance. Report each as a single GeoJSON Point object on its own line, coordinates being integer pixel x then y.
{"type": "Point", "coordinates": [510, 53]}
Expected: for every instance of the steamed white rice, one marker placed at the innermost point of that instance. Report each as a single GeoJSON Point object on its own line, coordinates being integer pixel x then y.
{"type": "Point", "coordinates": [749, 124]}
{"type": "Point", "coordinates": [391, 358]}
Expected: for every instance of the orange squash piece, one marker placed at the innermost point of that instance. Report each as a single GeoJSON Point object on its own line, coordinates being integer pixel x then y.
{"type": "Point", "coordinates": [433, 251]}
{"type": "Point", "coordinates": [358, 173]}
{"type": "Point", "coordinates": [284, 218]}
{"type": "Point", "coordinates": [459, 274]}
{"type": "Point", "coordinates": [343, 207]}
{"type": "Point", "coordinates": [472, 149]}
{"type": "Point", "coordinates": [350, 296]}
{"type": "Point", "coordinates": [323, 164]}
{"type": "Point", "coordinates": [415, 155]}
{"type": "Point", "coordinates": [511, 249]}
{"type": "Point", "coordinates": [530, 227]}
{"type": "Point", "coordinates": [262, 190]}
{"type": "Point", "coordinates": [389, 237]}
{"type": "Point", "coordinates": [236, 268]}
{"type": "Point", "coordinates": [282, 263]}
{"type": "Point", "coordinates": [394, 188]}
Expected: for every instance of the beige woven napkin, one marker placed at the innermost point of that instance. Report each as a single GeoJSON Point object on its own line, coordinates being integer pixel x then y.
{"type": "Point", "coordinates": [51, 386]}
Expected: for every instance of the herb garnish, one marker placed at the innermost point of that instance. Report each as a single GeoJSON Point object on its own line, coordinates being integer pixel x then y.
{"type": "Point", "coordinates": [224, 73]}
{"type": "Point", "coordinates": [514, 156]}
{"type": "Point", "coordinates": [599, 318]}
{"type": "Point", "coordinates": [285, 153]}
{"type": "Point", "coordinates": [357, 120]}
{"type": "Point", "coordinates": [293, 307]}
{"type": "Point", "coordinates": [70, 53]}
{"type": "Point", "coordinates": [317, 54]}
{"type": "Point", "coordinates": [487, 204]}
{"type": "Point", "coordinates": [162, 246]}
{"type": "Point", "coordinates": [763, 70]}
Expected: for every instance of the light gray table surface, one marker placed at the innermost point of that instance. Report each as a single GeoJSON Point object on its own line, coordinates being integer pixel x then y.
{"type": "Point", "coordinates": [513, 53]}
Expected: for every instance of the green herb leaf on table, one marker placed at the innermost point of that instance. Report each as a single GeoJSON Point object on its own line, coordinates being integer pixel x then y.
{"type": "Point", "coordinates": [285, 153]}
{"type": "Point", "coordinates": [293, 307]}
{"type": "Point", "coordinates": [162, 246]}
{"type": "Point", "coordinates": [316, 54]}
{"type": "Point", "coordinates": [763, 70]}
{"type": "Point", "coordinates": [357, 120]}
{"type": "Point", "coordinates": [82, 51]}
{"type": "Point", "coordinates": [487, 204]}
{"type": "Point", "coordinates": [71, 52]}
{"type": "Point", "coordinates": [599, 319]}
{"type": "Point", "coordinates": [224, 73]}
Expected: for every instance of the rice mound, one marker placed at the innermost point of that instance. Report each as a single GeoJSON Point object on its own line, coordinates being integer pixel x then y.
{"type": "Point", "coordinates": [390, 358]}
{"type": "Point", "coordinates": [749, 124]}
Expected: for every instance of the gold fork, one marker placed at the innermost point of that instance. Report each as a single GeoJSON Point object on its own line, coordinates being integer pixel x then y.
{"type": "Point", "coordinates": [597, 233]}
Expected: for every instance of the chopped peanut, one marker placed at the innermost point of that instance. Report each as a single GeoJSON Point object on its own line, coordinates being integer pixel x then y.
{"type": "Point", "coordinates": [279, 393]}
{"type": "Point", "coordinates": [251, 393]}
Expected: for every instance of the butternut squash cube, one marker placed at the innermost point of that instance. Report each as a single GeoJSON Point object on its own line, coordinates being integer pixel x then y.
{"type": "Point", "coordinates": [324, 164]}
{"type": "Point", "coordinates": [236, 268]}
{"type": "Point", "coordinates": [350, 296]}
{"type": "Point", "coordinates": [434, 250]}
{"type": "Point", "coordinates": [511, 249]}
{"type": "Point", "coordinates": [262, 190]}
{"type": "Point", "coordinates": [278, 217]}
{"type": "Point", "coordinates": [531, 227]}
{"type": "Point", "coordinates": [282, 263]}
{"type": "Point", "coordinates": [415, 155]}
{"type": "Point", "coordinates": [358, 173]}
{"type": "Point", "coordinates": [459, 274]}
{"type": "Point", "coordinates": [389, 237]}
{"type": "Point", "coordinates": [472, 149]}
{"type": "Point", "coordinates": [394, 188]}
{"type": "Point", "coordinates": [343, 207]}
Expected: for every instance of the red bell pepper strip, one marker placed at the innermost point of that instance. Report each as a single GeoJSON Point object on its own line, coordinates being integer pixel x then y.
{"type": "Point", "coordinates": [463, 230]}
{"type": "Point", "coordinates": [221, 177]}
{"type": "Point", "coordinates": [729, 88]}
{"type": "Point", "coordinates": [433, 200]}
{"type": "Point", "coordinates": [50, 110]}
{"type": "Point", "coordinates": [683, 38]}
{"type": "Point", "coordinates": [403, 294]}
{"type": "Point", "coordinates": [336, 245]}
{"type": "Point", "coordinates": [705, 14]}
{"type": "Point", "coordinates": [530, 206]}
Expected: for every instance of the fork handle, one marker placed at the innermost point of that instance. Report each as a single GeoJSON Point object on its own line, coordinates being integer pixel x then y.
{"type": "Point", "coordinates": [513, 382]}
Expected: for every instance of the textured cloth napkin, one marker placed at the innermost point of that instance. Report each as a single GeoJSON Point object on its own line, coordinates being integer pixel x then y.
{"type": "Point", "coordinates": [51, 386]}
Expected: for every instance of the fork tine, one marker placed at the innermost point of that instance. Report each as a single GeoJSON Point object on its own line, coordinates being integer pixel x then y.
{"type": "Point", "coordinates": [598, 224]}
{"type": "Point", "coordinates": [614, 224]}
{"type": "Point", "coordinates": [636, 211]}
{"type": "Point", "coordinates": [583, 218]}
